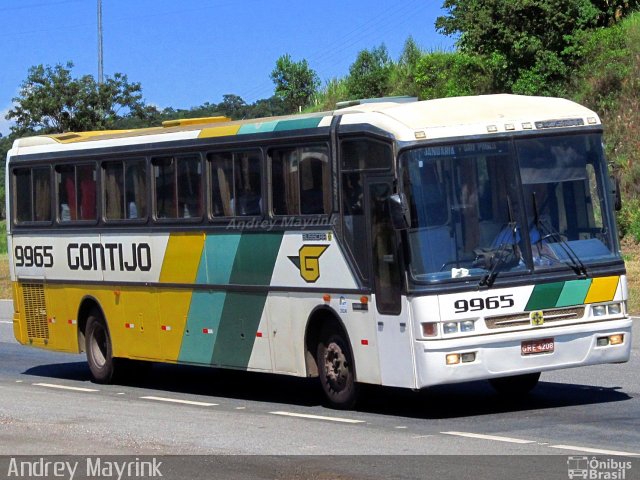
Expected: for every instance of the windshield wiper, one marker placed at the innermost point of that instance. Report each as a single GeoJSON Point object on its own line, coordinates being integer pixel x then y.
{"type": "Point", "coordinates": [494, 258]}
{"type": "Point", "coordinates": [546, 230]}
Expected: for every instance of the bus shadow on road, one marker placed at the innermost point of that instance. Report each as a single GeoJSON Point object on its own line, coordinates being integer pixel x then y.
{"type": "Point", "coordinates": [441, 402]}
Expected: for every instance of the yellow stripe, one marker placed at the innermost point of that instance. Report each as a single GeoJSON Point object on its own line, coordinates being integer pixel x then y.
{"type": "Point", "coordinates": [219, 131]}
{"type": "Point", "coordinates": [602, 289]}
{"type": "Point", "coordinates": [182, 257]}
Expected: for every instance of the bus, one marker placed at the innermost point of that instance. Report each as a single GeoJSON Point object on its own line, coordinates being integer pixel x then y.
{"type": "Point", "coordinates": [390, 242]}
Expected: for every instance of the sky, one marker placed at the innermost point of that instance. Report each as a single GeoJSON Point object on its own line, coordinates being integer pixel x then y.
{"type": "Point", "coordinates": [188, 52]}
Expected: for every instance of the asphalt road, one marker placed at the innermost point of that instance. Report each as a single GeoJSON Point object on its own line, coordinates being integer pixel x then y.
{"type": "Point", "coordinates": [260, 424]}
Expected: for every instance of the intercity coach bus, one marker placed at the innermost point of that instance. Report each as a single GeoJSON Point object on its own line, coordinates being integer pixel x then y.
{"type": "Point", "coordinates": [392, 242]}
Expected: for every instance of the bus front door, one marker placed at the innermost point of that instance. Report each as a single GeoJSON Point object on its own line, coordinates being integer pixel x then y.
{"type": "Point", "coordinates": [391, 315]}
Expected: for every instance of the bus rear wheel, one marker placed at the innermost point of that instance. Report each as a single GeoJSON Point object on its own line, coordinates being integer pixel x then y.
{"type": "Point", "coordinates": [98, 348]}
{"type": "Point", "coordinates": [335, 366]}
{"type": "Point", "coordinates": [515, 386]}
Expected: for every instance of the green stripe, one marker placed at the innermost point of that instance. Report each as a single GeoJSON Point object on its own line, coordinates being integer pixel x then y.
{"type": "Point", "coordinates": [544, 296]}
{"type": "Point", "coordinates": [255, 258]}
{"type": "Point", "coordinates": [574, 293]}
{"type": "Point", "coordinates": [297, 124]}
{"type": "Point", "coordinates": [237, 332]}
{"type": "Point", "coordinates": [217, 261]}
{"type": "Point", "coordinates": [263, 127]}
{"type": "Point", "coordinates": [253, 265]}
{"type": "Point", "coordinates": [205, 311]}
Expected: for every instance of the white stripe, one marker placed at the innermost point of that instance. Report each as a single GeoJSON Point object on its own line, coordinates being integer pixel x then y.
{"type": "Point", "coordinates": [595, 450]}
{"type": "Point", "coordinates": [65, 387]}
{"type": "Point", "coordinates": [6, 321]}
{"type": "Point", "coordinates": [176, 400]}
{"type": "Point", "coordinates": [488, 437]}
{"type": "Point", "coordinates": [318, 417]}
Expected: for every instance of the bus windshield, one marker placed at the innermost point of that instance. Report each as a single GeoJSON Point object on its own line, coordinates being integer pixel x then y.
{"type": "Point", "coordinates": [508, 207]}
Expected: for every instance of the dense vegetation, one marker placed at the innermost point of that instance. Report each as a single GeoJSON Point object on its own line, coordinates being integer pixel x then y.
{"type": "Point", "coordinates": [587, 50]}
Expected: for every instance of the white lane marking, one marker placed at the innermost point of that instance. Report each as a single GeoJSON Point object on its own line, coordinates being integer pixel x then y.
{"type": "Point", "coordinates": [318, 417]}
{"type": "Point", "coordinates": [6, 321]}
{"type": "Point", "coordinates": [401, 427]}
{"type": "Point", "coordinates": [595, 450]}
{"type": "Point", "coordinates": [177, 400]}
{"type": "Point", "coordinates": [65, 387]}
{"type": "Point", "coordinates": [488, 437]}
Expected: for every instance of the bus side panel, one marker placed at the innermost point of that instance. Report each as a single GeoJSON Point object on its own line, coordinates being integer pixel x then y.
{"type": "Point", "coordinates": [61, 317]}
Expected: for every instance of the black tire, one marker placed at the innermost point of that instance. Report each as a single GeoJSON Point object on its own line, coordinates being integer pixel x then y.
{"type": "Point", "coordinates": [336, 371]}
{"type": "Point", "coordinates": [98, 348]}
{"type": "Point", "coordinates": [516, 386]}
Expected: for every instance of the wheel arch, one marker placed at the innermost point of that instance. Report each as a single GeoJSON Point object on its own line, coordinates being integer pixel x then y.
{"type": "Point", "coordinates": [87, 304]}
{"type": "Point", "coordinates": [322, 317]}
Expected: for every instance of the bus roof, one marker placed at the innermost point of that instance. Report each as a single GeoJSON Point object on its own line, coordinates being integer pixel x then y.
{"type": "Point", "coordinates": [405, 120]}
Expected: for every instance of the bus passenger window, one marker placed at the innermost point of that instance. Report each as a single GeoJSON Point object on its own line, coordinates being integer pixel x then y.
{"type": "Point", "coordinates": [248, 188]}
{"type": "Point", "coordinates": [125, 189]}
{"type": "Point", "coordinates": [22, 188]}
{"type": "Point", "coordinates": [135, 193]}
{"type": "Point", "coordinates": [86, 175]}
{"type": "Point", "coordinates": [221, 184]}
{"type": "Point", "coordinates": [76, 192]}
{"type": "Point", "coordinates": [178, 182]}
{"type": "Point", "coordinates": [32, 188]}
{"type": "Point", "coordinates": [300, 180]}
{"type": "Point", "coordinates": [236, 183]}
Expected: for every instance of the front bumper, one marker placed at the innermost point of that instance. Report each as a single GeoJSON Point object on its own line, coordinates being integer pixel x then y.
{"type": "Point", "coordinates": [499, 355]}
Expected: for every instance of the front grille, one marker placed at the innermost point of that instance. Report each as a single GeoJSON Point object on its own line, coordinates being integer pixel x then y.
{"type": "Point", "coordinates": [522, 319]}
{"type": "Point", "coordinates": [35, 311]}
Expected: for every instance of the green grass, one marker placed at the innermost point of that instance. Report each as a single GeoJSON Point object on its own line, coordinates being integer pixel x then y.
{"type": "Point", "coordinates": [3, 236]}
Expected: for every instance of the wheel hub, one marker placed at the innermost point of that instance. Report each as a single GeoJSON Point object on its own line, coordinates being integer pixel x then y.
{"type": "Point", "coordinates": [336, 366]}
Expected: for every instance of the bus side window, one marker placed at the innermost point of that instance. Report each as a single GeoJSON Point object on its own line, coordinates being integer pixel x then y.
{"type": "Point", "coordinates": [178, 186]}
{"type": "Point", "coordinates": [300, 180]}
{"type": "Point", "coordinates": [33, 194]}
{"type": "Point", "coordinates": [135, 193]}
{"type": "Point", "coordinates": [125, 189]}
{"type": "Point", "coordinates": [76, 192]}
{"type": "Point", "coordinates": [248, 185]}
{"type": "Point", "coordinates": [221, 184]}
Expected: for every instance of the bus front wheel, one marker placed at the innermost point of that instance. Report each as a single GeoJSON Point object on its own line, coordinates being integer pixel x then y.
{"type": "Point", "coordinates": [335, 365]}
{"type": "Point", "coordinates": [515, 386]}
{"type": "Point", "coordinates": [98, 348]}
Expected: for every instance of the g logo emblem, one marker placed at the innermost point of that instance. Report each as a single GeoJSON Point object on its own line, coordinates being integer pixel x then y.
{"type": "Point", "coordinates": [308, 261]}
{"type": "Point", "coordinates": [537, 318]}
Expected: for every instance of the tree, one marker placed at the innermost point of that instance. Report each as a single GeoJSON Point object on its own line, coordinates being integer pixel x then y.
{"type": "Point", "coordinates": [403, 77]}
{"type": "Point", "coordinates": [370, 75]}
{"type": "Point", "coordinates": [451, 74]}
{"type": "Point", "coordinates": [295, 82]}
{"type": "Point", "coordinates": [527, 43]}
{"type": "Point", "coordinates": [52, 101]}
{"type": "Point", "coordinates": [233, 106]}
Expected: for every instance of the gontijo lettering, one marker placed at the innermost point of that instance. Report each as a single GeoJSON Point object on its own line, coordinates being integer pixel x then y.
{"type": "Point", "coordinates": [110, 256]}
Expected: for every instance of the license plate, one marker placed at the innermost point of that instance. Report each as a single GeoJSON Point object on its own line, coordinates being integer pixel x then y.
{"type": "Point", "coordinates": [531, 347]}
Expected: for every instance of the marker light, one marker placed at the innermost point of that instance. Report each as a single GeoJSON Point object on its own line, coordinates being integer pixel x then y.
{"type": "Point", "coordinates": [450, 327]}
{"type": "Point", "coordinates": [614, 309]}
{"type": "Point", "coordinates": [453, 359]}
{"type": "Point", "coordinates": [429, 329]}
{"type": "Point", "coordinates": [468, 357]}
{"type": "Point", "coordinates": [467, 326]}
{"type": "Point", "coordinates": [599, 310]}
{"type": "Point", "coordinates": [616, 339]}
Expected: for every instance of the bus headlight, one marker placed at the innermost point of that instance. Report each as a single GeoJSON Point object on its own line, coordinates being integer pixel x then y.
{"type": "Point", "coordinates": [598, 310]}
{"type": "Point", "coordinates": [614, 309]}
{"type": "Point", "coordinates": [467, 326]}
{"type": "Point", "coordinates": [450, 327]}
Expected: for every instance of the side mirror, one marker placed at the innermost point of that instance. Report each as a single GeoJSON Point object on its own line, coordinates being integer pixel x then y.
{"type": "Point", "coordinates": [399, 209]}
{"type": "Point", "coordinates": [615, 193]}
